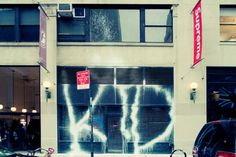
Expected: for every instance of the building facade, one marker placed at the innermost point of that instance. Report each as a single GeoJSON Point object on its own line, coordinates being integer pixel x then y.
{"type": "Point", "coordinates": [139, 55]}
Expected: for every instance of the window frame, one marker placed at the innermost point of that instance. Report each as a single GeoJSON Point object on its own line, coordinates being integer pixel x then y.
{"type": "Point", "coordinates": [228, 24]}
{"type": "Point", "coordinates": [17, 26]}
{"type": "Point", "coordinates": [140, 8]}
{"type": "Point", "coordinates": [109, 109]}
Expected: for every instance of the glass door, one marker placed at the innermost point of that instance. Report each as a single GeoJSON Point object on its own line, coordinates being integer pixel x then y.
{"type": "Point", "coordinates": [114, 139]}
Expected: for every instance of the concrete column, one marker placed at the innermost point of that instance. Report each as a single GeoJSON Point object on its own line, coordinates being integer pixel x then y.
{"type": "Point", "coordinates": [49, 108]}
{"type": "Point", "coordinates": [189, 116]}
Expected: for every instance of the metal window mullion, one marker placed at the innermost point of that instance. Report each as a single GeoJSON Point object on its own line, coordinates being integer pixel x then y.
{"type": "Point", "coordinates": [87, 24]}
{"type": "Point", "coordinates": [17, 24]}
{"type": "Point", "coordinates": [142, 25]}
{"type": "Point", "coordinates": [115, 82]}
{"type": "Point", "coordinates": [227, 24]}
{"type": "Point", "coordinates": [157, 26]}
{"type": "Point", "coordinates": [172, 19]}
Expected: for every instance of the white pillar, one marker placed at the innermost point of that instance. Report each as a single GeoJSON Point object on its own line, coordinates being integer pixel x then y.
{"type": "Point", "coordinates": [189, 115]}
{"type": "Point", "coordinates": [49, 108]}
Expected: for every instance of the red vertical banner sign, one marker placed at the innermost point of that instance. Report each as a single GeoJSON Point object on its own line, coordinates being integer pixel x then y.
{"type": "Point", "coordinates": [43, 39]}
{"type": "Point", "coordinates": [197, 32]}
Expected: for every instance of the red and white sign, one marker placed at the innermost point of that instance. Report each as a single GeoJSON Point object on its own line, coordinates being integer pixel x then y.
{"type": "Point", "coordinates": [197, 31]}
{"type": "Point", "coordinates": [83, 79]}
{"type": "Point", "coordinates": [43, 39]}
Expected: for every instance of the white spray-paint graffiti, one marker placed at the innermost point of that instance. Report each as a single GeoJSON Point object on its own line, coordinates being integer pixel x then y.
{"type": "Point", "coordinates": [128, 132]}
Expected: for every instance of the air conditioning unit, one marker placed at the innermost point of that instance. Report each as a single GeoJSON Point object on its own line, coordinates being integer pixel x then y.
{"type": "Point", "coordinates": [65, 10]}
{"type": "Point", "coordinates": [79, 12]}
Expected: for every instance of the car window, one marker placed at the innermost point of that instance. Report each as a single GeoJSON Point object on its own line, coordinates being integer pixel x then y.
{"type": "Point", "coordinates": [204, 134]}
{"type": "Point", "coordinates": [218, 134]}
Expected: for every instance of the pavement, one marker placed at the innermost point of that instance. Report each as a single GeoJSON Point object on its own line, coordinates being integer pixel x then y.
{"type": "Point", "coordinates": [118, 155]}
{"type": "Point", "coordinates": [178, 154]}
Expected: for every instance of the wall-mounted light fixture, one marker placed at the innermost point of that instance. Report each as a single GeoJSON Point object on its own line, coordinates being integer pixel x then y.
{"type": "Point", "coordinates": [47, 85]}
{"type": "Point", "coordinates": [193, 87]}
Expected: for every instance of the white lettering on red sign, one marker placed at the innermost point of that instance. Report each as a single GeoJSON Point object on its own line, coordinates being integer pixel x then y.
{"type": "Point", "coordinates": [197, 31]}
{"type": "Point", "coordinates": [83, 79]}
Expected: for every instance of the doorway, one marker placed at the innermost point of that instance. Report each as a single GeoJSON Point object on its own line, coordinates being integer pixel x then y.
{"type": "Point", "coordinates": [114, 134]}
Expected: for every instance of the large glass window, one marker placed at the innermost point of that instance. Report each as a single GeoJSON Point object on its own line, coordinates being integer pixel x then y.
{"type": "Point", "coordinates": [130, 25]}
{"type": "Point", "coordinates": [221, 93]}
{"type": "Point", "coordinates": [131, 110]}
{"type": "Point", "coordinates": [7, 24]}
{"type": "Point", "coordinates": [158, 25]}
{"type": "Point", "coordinates": [228, 23]}
{"type": "Point", "coordinates": [29, 24]}
{"type": "Point", "coordinates": [118, 24]}
{"type": "Point", "coordinates": [71, 29]}
{"type": "Point", "coordinates": [19, 23]}
{"type": "Point", "coordinates": [19, 108]}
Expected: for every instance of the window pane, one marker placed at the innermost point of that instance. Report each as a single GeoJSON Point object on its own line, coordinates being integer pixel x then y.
{"type": "Point", "coordinates": [158, 17]}
{"type": "Point", "coordinates": [102, 75]}
{"type": "Point", "coordinates": [228, 24]}
{"type": "Point", "coordinates": [71, 27]}
{"type": "Point", "coordinates": [222, 80]}
{"type": "Point", "coordinates": [7, 33]}
{"type": "Point", "coordinates": [157, 123]}
{"type": "Point", "coordinates": [107, 97]}
{"type": "Point", "coordinates": [67, 75]}
{"type": "Point", "coordinates": [7, 16]}
{"type": "Point", "coordinates": [129, 76]}
{"type": "Point", "coordinates": [228, 33]}
{"type": "Point", "coordinates": [29, 16]}
{"type": "Point", "coordinates": [105, 25]}
{"type": "Point", "coordinates": [160, 76]}
{"type": "Point", "coordinates": [158, 34]}
{"type": "Point", "coordinates": [227, 11]}
{"type": "Point", "coordinates": [114, 25]}
{"type": "Point", "coordinates": [130, 25]}
{"type": "Point", "coordinates": [71, 38]}
{"type": "Point", "coordinates": [29, 33]}
{"type": "Point", "coordinates": [228, 20]}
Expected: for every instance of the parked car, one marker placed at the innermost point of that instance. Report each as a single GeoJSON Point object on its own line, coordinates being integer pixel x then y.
{"type": "Point", "coordinates": [216, 139]}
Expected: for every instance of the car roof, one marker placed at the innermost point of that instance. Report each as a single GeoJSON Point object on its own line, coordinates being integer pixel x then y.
{"type": "Point", "coordinates": [228, 126]}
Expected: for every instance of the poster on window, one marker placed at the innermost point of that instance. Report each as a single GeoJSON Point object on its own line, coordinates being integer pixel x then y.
{"type": "Point", "coordinates": [83, 79]}
{"type": "Point", "coordinates": [197, 33]}
{"type": "Point", "coordinates": [42, 39]}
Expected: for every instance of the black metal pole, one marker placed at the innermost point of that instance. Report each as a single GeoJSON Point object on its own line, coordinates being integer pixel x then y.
{"type": "Point", "coordinates": [91, 117]}
{"type": "Point", "coordinates": [91, 123]}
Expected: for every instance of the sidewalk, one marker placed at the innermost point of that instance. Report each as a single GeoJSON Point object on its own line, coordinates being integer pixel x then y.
{"type": "Point", "coordinates": [117, 155]}
{"type": "Point", "coordinates": [108, 155]}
